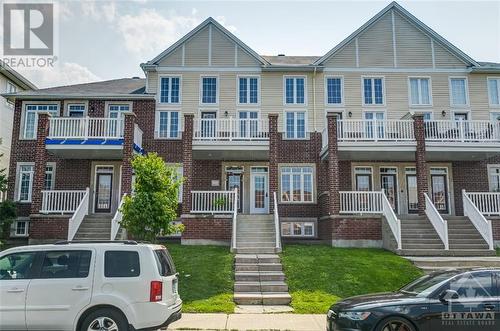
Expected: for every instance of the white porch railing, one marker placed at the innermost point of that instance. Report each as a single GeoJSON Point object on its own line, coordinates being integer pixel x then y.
{"type": "Point", "coordinates": [81, 211]}
{"type": "Point", "coordinates": [482, 225]}
{"type": "Point", "coordinates": [235, 219]}
{"type": "Point", "coordinates": [213, 202]}
{"type": "Point", "coordinates": [85, 128]}
{"type": "Point", "coordinates": [462, 131]}
{"type": "Point", "coordinates": [61, 201]}
{"type": "Point", "coordinates": [361, 202]}
{"type": "Point", "coordinates": [137, 135]}
{"type": "Point", "coordinates": [392, 220]}
{"type": "Point", "coordinates": [115, 222]}
{"type": "Point", "coordinates": [229, 129]}
{"type": "Point", "coordinates": [375, 130]}
{"type": "Point", "coordinates": [440, 224]}
{"type": "Point", "coordinates": [488, 203]}
{"type": "Point", "coordinates": [277, 228]}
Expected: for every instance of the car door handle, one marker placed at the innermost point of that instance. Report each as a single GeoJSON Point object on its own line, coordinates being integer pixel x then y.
{"type": "Point", "coordinates": [80, 288]}
{"type": "Point", "coordinates": [489, 307]}
{"type": "Point", "coordinates": [15, 290]}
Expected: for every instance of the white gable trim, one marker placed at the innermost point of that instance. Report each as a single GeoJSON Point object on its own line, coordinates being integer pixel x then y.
{"type": "Point", "coordinates": [412, 19]}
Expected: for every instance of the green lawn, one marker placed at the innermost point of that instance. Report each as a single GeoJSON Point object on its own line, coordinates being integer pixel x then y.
{"type": "Point", "coordinates": [205, 278]}
{"type": "Point", "coordinates": [318, 276]}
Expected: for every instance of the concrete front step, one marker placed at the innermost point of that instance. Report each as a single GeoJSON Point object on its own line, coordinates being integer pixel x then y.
{"type": "Point", "coordinates": [422, 241]}
{"type": "Point", "coordinates": [259, 298]}
{"type": "Point", "coordinates": [442, 252]}
{"type": "Point", "coordinates": [260, 286]}
{"type": "Point", "coordinates": [455, 262]}
{"type": "Point", "coordinates": [255, 276]}
{"type": "Point", "coordinates": [252, 267]}
{"type": "Point", "coordinates": [255, 250]}
{"type": "Point", "coordinates": [423, 246]}
{"type": "Point", "coordinates": [251, 244]}
{"type": "Point", "coordinates": [257, 258]}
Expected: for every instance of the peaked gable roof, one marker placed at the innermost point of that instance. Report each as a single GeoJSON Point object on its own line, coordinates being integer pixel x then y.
{"type": "Point", "coordinates": [197, 29]}
{"type": "Point", "coordinates": [16, 77]}
{"type": "Point", "coordinates": [407, 15]}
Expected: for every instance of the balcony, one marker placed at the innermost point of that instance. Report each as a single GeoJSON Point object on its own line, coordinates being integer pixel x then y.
{"type": "Point", "coordinates": [89, 138]}
{"type": "Point", "coordinates": [231, 138]}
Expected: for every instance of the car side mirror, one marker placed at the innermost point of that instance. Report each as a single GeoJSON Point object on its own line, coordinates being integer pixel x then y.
{"type": "Point", "coordinates": [448, 295]}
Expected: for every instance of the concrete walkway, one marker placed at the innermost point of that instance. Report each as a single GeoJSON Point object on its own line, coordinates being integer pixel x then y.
{"type": "Point", "coordinates": [292, 322]}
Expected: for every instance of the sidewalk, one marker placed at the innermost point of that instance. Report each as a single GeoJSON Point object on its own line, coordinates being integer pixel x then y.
{"type": "Point", "coordinates": [292, 322]}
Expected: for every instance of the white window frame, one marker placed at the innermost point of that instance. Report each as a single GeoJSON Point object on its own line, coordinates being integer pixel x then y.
{"type": "Point", "coordinates": [384, 95]}
{"type": "Point", "coordinates": [450, 90]}
{"type": "Point", "coordinates": [157, 124]}
{"type": "Point", "coordinates": [355, 171]}
{"type": "Point", "coordinates": [76, 104]}
{"type": "Point", "coordinates": [169, 102]}
{"type": "Point", "coordinates": [313, 177]}
{"type": "Point", "coordinates": [25, 112]}
{"type": "Point", "coordinates": [294, 103]}
{"type": "Point", "coordinates": [10, 87]}
{"type": "Point", "coordinates": [420, 104]}
{"type": "Point", "coordinates": [291, 224]}
{"type": "Point", "coordinates": [306, 123]}
{"type": "Point", "coordinates": [490, 168]}
{"type": "Point", "coordinates": [53, 179]}
{"type": "Point", "coordinates": [247, 104]}
{"type": "Point", "coordinates": [342, 94]}
{"type": "Point", "coordinates": [497, 78]}
{"type": "Point", "coordinates": [26, 225]}
{"type": "Point", "coordinates": [19, 174]}
{"type": "Point", "coordinates": [459, 111]}
{"type": "Point", "coordinates": [217, 88]}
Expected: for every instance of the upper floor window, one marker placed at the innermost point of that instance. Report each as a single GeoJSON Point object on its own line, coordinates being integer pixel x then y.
{"type": "Point", "coordinates": [373, 91]}
{"type": "Point", "coordinates": [295, 124]}
{"type": "Point", "coordinates": [295, 88]}
{"type": "Point", "coordinates": [76, 110]}
{"type": "Point", "coordinates": [167, 124]}
{"type": "Point", "coordinates": [458, 91]}
{"type": "Point", "coordinates": [494, 91]}
{"type": "Point", "coordinates": [49, 180]}
{"type": "Point", "coordinates": [248, 88]}
{"type": "Point", "coordinates": [420, 92]}
{"type": "Point", "coordinates": [11, 88]}
{"type": "Point", "coordinates": [31, 118]}
{"type": "Point", "coordinates": [209, 90]}
{"type": "Point", "coordinates": [334, 91]}
{"type": "Point", "coordinates": [25, 182]}
{"type": "Point", "coordinates": [494, 178]}
{"type": "Point", "coordinates": [115, 110]}
{"type": "Point", "coordinates": [170, 89]}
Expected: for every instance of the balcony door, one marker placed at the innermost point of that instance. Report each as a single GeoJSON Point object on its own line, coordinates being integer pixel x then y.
{"type": "Point", "coordinates": [248, 124]}
{"type": "Point", "coordinates": [374, 127]}
{"type": "Point", "coordinates": [103, 189]}
{"type": "Point", "coordinates": [208, 124]}
{"type": "Point", "coordinates": [259, 190]}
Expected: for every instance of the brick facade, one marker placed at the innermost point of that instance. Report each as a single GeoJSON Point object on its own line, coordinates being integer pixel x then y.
{"type": "Point", "coordinates": [347, 229]}
{"type": "Point", "coordinates": [45, 228]}
{"type": "Point", "coordinates": [420, 162]}
{"type": "Point", "coordinates": [209, 228]}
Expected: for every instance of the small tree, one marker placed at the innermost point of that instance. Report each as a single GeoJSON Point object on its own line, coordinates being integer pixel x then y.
{"type": "Point", "coordinates": [150, 210]}
{"type": "Point", "coordinates": [8, 211]}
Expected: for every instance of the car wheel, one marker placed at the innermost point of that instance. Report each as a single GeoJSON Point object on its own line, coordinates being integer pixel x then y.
{"type": "Point", "coordinates": [104, 320]}
{"type": "Point", "coordinates": [395, 324]}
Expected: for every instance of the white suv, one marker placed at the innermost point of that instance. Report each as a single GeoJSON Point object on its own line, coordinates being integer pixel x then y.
{"type": "Point", "coordinates": [76, 286]}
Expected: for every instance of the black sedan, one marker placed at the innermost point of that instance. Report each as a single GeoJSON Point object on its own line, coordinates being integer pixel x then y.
{"type": "Point", "coordinates": [454, 300]}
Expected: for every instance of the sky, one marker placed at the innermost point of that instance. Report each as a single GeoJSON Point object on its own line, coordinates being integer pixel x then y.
{"type": "Point", "coordinates": [100, 40]}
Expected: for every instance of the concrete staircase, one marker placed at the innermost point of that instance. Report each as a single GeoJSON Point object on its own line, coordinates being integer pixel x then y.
{"type": "Point", "coordinates": [430, 264]}
{"type": "Point", "coordinates": [259, 280]}
{"type": "Point", "coordinates": [95, 227]}
{"type": "Point", "coordinates": [255, 234]}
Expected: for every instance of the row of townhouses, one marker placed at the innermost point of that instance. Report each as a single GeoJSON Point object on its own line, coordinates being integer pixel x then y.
{"type": "Point", "coordinates": [391, 139]}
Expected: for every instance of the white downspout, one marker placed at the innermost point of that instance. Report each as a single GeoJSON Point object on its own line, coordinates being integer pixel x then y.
{"type": "Point", "coordinates": [314, 100]}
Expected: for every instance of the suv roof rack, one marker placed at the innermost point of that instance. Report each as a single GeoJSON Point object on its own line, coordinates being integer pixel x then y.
{"type": "Point", "coordinates": [125, 242]}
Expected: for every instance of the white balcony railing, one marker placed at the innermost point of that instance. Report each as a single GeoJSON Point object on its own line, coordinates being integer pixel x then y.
{"type": "Point", "coordinates": [85, 128]}
{"type": "Point", "coordinates": [213, 202]}
{"type": "Point", "coordinates": [277, 227]}
{"type": "Point", "coordinates": [230, 129]}
{"type": "Point", "coordinates": [462, 131]}
{"type": "Point", "coordinates": [61, 201]}
{"type": "Point", "coordinates": [375, 130]}
{"type": "Point", "coordinates": [439, 224]}
{"type": "Point", "coordinates": [361, 202]}
{"type": "Point", "coordinates": [483, 226]}
{"type": "Point", "coordinates": [137, 135]}
{"type": "Point", "coordinates": [488, 203]}
{"type": "Point", "coordinates": [235, 220]}
{"type": "Point", "coordinates": [81, 211]}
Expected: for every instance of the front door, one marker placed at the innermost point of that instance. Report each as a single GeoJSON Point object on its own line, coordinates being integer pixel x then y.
{"type": "Point", "coordinates": [439, 192]}
{"type": "Point", "coordinates": [235, 181]}
{"type": "Point", "coordinates": [104, 186]}
{"type": "Point", "coordinates": [390, 187]}
{"type": "Point", "coordinates": [208, 124]}
{"type": "Point", "coordinates": [412, 193]}
{"type": "Point", "coordinates": [259, 195]}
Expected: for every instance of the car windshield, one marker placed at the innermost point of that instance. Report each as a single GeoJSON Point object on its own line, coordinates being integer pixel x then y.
{"type": "Point", "coordinates": [428, 283]}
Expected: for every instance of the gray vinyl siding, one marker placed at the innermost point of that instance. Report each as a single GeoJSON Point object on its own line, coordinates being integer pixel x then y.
{"type": "Point", "coordinates": [152, 78]}
{"type": "Point", "coordinates": [246, 60]}
{"type": "Point", "coordinates": [196, 49]}
{"type": "Point", "coordinates": [375, 44]}
{"type": "Point", "coordinates": [222, 50]}
{"type": "Point", "coordinates": [413, 48]}
{"type": "Point", "coordinates": [444, 59]}
{"type": "Point", "coordinates": [174, 59]}
{"type": "Point", "coordinates": [345, 58]}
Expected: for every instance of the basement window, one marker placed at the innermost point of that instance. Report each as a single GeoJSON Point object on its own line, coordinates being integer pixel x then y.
{"type": "Point", "coordinates": [297, 229]}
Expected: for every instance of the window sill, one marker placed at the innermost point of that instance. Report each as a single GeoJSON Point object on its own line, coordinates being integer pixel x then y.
{"type": "Point", "coordinates": [334, 105]}
{"type": "Point", "coordinates": [421, 106]}
{"type": "Point", "coordinates": [297, 202]}
{"type": "Point", "coordinates": [161, 138]}
{"type": "Point", "coordinates": [300, 139]}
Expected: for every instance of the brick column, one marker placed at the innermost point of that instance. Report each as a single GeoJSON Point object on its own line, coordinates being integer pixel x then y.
{"type": "Point", "coordinates": [187, 162]}
{"type": "Point", "coordinates": [421, 166]}
{"type": "Point", "coordinates": [128, 152]}
{"type": "Point", "coordinates": [40, 162]}
{"type": "Point", "coordinates": [273, 159]}
{"type": "Point", "coordinates": [333, 165]}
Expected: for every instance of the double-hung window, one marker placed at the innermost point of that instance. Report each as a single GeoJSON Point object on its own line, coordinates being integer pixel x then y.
{"type": "Point", "coordinates": [209, 90]}
{"type": "Point", "coordinates": [295, 123]}
{"type": "Point", "coordinates": [295, 90]}
{"type": "Point", "coordinates": [170, 89]}
{"type": "Point", "coordinates": [167, 124]}
{"type": "Point", "coordinates": [21, 228]}
{"type": "Point", "coordinates": [334, 91]}
{"type": "Point", "coordinates": [458, 91]}
{"type": "Point", "coordinates": [297, 184]}
{"type": "Point", "coordinates": [420, 91]}
{"type": "Point", "coordinates": [248, 90]}
{"type": "Point", "coordinates": [117, 111]}
{"type": "Point", "coordinates": [25, 182]}
{"type": "Point", "coordinates": [297, 229]}
{"type": "Point", "coordinates": [494, 91]}
{"type": "Point", "coordinates": [373, 91]}
{"type": "Point", "coordinates": [49, 179]}
{"type": "Point", "coordinates": [494, 178]}
{"type": "Point", "coordinates": [31, 118]}
{"type": "Point", "coordinates": [76, 110]}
